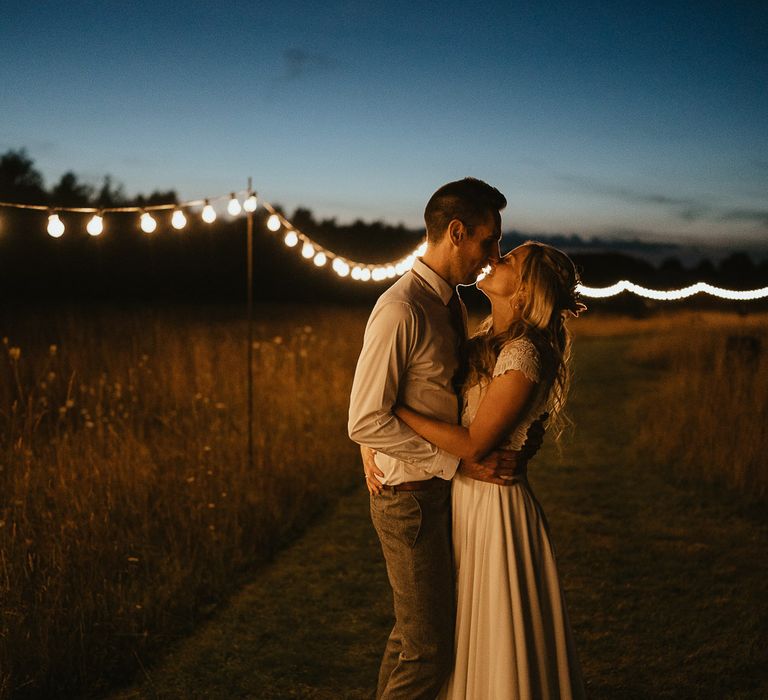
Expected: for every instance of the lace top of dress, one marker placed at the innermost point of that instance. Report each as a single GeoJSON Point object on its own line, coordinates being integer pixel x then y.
{"type": "Point", "coordinates": [520, 354]}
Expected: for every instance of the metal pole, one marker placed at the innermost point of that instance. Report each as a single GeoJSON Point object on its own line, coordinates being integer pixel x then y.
{"type": "Point", "coordinates": [249, 218]}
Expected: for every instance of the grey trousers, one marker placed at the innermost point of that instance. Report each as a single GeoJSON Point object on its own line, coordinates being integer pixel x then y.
{"type": "Point", "coordinates": [414, 528]}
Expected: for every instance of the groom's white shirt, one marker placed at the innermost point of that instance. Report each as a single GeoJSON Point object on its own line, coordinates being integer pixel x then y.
{"type": "Point", "coordinates": [408, 356]}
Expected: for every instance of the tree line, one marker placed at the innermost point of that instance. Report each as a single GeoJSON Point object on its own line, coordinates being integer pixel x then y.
{"type": "Point", "coordinates": [22, 183]}
{"type": "Point", "coordinates": [207, 262]}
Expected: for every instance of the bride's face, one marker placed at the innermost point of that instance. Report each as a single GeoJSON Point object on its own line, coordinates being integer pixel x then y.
{"type": "Point", "coordinates": [505, 276]}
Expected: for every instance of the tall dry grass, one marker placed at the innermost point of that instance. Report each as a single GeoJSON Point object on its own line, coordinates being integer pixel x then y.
{"type": "Point", "coordinates": [705, 415]}
{"type": "Point", "coordinates": [127, 506]}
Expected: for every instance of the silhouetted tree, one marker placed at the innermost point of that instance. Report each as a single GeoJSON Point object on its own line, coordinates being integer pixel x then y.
{"type": "Point", "coordinates": [737, 269]}
{"type": "Point", "coordinates": [110, 195]}
{"type": "Point", "coordinates": [19, 181]}
{"type": "Point", "coordinates": [157, 197]}
{"type": "Point", "coordinates": [71, 193]}
{"type": "Point", "coordinates": [303, 219]}
{"type": "Point", "coordinates": [705, 271]}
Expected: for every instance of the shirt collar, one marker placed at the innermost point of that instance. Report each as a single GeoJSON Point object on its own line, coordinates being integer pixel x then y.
{"type": "Point", "coordinates": [437, 283]}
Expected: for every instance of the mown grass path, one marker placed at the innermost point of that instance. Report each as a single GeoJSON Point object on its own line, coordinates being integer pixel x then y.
{"type": "Point", "coordinates": [666, 582]}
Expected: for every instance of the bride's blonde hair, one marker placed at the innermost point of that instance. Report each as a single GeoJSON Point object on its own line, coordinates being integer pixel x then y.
{"type": "Point", "coordinates": [550, 279]}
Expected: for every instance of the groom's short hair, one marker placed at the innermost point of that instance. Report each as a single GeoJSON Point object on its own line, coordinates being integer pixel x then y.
{"type": "Point", "coordinates": [470, 200]}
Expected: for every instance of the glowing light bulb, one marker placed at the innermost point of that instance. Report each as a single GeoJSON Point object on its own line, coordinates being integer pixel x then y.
{"type": "Point", "coordinates": [178, 220]}
{"type": "Point", "coordinates": [233, 206]}
{"type": "Point", "coordinates": [273, 223]}
{"type": "Point", "coordinates": [391, 271]}
{"type": "Point", "coordinates": [356, 273]}
{"type": "Point", "coordinates": [378, 274]}
{"type": "Point", "coordinates": [209, 213]}
{"type": "Point", "coordinates": [365, 274]}
{"type": "Point", "coordinates": [340, 267]}
{"type": "Point", "coordinates": [55, 226]}
{"type": "Point", "coordinates": [251, 203]}
{"type": "Point", "coordinates": [291, 239]}
{"type": "Point", "coordinates": [307, 250]}
{"type": "Point", "coordinates": [320, 259]}
{"type": "Point", "coordinates": [148, 224]}
{"type": "Point", "coordinates": [421, 249]}
{"type": "Point", "coordinates": [96, 225]}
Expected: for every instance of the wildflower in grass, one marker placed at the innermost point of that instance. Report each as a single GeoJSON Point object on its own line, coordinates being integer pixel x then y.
{"type": "Point", "coordinates": [278, 340]}
{"type": "Point", "coordinates": [308, 330]}
{"type": "Point", "coordinates": [190, 479]}
{"type": "Point", "coordinates": [14, 353]}
{"type": "Point", "coordinates": [220, 406]}
{"type": "Point", "coordinates": [52, 350]}
{"type": "Point", "coordinates": [256, 345]}
{"type": "Point", "coordinates": [133, 559]}
{"type": "Point", "coordinates": [211, 505]}
{"type": "Point", "coordinates": [89, 424]}
{"type": "Point", "coordinates": [70, 403]}
{"type": "Point", "coordinates": [51, 376]}
{"type": "Point", "coordinates": [198, 396]}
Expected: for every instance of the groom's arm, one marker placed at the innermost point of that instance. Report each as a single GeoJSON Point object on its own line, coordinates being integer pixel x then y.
{"type": "Point", "coordinates": [503, 465]}
{"type": "Point", "coordinates": [389, 342]}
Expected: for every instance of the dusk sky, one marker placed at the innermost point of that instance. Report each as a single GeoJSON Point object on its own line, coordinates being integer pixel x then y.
{"type": "Point", "coordinates": [600, 118]}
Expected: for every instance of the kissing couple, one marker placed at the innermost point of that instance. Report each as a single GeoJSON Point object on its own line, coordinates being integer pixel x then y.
{"type": "Point", "coordinates": [446, 427]}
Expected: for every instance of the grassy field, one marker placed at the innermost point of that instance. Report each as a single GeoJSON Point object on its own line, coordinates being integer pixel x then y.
{"type": "Point", "coordinates": [664, 577]}
{"type": "Point", "coordinates": [128, 511]}
{"type": "Point", "coordinates": [127, 507]}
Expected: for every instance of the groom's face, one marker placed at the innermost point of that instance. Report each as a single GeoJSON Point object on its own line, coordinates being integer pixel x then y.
{"type": "Point", "coordinates": [480, 247]}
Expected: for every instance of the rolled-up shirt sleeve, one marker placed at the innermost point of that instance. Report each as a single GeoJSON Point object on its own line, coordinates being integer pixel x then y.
{"type": "Point", "coordinates": [389, 342]}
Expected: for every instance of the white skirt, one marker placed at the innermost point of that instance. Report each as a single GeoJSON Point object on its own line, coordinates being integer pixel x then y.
{"type": "Point", "coordinates": [513, 639]}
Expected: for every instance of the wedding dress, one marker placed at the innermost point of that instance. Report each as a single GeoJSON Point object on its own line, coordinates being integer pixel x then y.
{"type": "Point", "coordinates": [513, 638]}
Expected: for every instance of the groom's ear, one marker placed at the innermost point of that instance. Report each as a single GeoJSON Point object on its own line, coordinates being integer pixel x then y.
{"type": "Point", "coordinates": [457, 231]}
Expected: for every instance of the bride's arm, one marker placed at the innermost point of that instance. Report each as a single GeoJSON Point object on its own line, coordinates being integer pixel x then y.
{"type": "Point", "coordinates": [501, 408]}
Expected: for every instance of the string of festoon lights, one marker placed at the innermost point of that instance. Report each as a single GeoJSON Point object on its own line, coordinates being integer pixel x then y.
{"type": "Point", "coordinates": [316, 254]}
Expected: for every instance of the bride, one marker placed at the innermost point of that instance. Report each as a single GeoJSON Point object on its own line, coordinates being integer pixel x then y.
{"type": "Point", "coordinates": [513, 638]}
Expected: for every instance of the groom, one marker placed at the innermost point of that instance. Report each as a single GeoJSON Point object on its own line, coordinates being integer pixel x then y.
{"type": "Point", "coordinates": [413, 353]}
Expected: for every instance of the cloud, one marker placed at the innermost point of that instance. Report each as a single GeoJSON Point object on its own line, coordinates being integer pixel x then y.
{"type": "Point", "coordinates": [759, 216]}
{"type": "Point", "coordinates": [685, 208]}
{"type": "Point", "coordinates": [35, 147]}
{"type": "Point", "coordinates": [298, 63]}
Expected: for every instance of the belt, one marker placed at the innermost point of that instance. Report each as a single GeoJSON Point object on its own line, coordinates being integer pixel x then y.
{"type": "Point", "coordinates": [415, 485]}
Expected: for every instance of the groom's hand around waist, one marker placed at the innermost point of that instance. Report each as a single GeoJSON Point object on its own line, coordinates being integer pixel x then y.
{"type": "Point", "coordinates": [500, 466]}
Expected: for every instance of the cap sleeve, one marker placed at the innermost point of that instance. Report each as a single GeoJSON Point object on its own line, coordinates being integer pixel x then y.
{"type": "Point", "coordinates": [519, 354]}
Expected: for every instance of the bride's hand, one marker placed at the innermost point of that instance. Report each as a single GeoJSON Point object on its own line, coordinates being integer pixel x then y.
{"type": "Point", "coordinates": [535, 436]}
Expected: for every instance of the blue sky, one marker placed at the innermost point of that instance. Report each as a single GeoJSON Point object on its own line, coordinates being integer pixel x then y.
{"type": "Point", "coordinates": [600, 118]}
